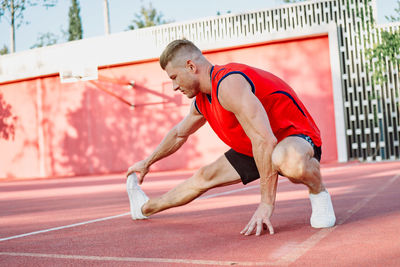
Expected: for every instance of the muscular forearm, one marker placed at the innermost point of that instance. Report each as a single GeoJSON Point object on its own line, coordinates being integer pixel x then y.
{"type": "Point", "coordinates": [262, 152]}
{"type": "Point", "coordinates": [268, 188]}
{"type": "Point", "coordinates": [169, 145]}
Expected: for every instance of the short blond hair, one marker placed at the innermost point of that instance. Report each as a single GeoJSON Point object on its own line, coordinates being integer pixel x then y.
{"type": "Point", "coordinates": [173, 48]}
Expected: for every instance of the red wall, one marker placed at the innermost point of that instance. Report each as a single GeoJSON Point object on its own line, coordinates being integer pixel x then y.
{"type": "Point", "coordinates": [86, 131]}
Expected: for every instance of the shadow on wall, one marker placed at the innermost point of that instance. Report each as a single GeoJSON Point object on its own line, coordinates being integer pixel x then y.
{"type": "Point", "coordinates": [7, 120]}
{"type": "Point", "coordinates": [110, 136]}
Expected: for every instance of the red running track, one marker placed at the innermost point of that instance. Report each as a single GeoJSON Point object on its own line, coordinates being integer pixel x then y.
{"type": "Point", "coordinates": [83, 221]}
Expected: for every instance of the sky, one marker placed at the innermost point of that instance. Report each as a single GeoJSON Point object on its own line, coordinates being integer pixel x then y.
{"type": "Point", "coordinates": [38, 19]}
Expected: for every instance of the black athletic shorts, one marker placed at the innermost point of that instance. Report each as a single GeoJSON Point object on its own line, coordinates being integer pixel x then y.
{"type": "Point", "coordinates": [246, 166]}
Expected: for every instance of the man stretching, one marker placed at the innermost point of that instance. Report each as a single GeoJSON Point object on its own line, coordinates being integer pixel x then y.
{"type": "Point", "coordinates": [256, 114]}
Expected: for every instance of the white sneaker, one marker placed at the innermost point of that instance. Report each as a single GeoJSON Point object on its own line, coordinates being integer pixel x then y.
{"type": "Point", "coordinates": [137, 198]}
{"type": "Point", "coordinates": [323, 215]}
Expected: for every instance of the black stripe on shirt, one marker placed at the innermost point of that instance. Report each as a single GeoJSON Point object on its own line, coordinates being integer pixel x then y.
{"type": "Point", "coordinates": [253, 88]}
{"type": "Point", "coordinates": [197, 108]}
{"type": "Point", "coordinates": [291, 97]}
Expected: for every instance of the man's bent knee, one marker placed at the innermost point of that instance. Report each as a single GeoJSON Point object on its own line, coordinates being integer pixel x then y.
{"type": "Point", "coordinates": [290, 162]}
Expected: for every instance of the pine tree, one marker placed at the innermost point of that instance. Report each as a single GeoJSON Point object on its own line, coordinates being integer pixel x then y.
{"type": "Point", "coordinates": [75, 23]}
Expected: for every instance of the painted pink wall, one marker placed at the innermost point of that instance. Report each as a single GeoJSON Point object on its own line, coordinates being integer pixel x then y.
{"type": "Point", "coordinates": [86, 131]}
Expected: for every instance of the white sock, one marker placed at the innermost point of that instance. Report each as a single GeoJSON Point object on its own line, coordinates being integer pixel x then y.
{"type": "Point", "coordinates": [323, 215]}
{"type": "Point", "coordinates": [137, 198]}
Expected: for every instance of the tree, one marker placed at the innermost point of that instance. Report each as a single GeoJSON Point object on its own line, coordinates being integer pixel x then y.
{"type": "Point", "coordinates": [13, 10]}
{"type": "Point", "coordinates": [75, 23]}
{"type": "Point", "coordinates": [46, 39]}
{"type": "Point", "coordinates": [4, 50]}
{"type": "Point", "coordinates": [147, 17]}
{"type": "Point", "coordinates": [387, 50]}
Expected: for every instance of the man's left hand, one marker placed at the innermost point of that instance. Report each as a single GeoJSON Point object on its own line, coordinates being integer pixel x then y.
{"type": "Point", "coordinates": [260, 217]}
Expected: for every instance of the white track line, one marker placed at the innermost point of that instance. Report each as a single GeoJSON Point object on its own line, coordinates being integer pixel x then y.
{"type": "Point", "coordinates": [64, 227]}
{"type": "Point", "coordinates": [125, 214]}
{"type": "Point", "coordinates": [308, 244]}
{"type": "Point", "coordinates": [289, 258]}
{"type": "Point", "coordinates": [132, 259]}
{"type": "Point", "coordinates": [116, 216]}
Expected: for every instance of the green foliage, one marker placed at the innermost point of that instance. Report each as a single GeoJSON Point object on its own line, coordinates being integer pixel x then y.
{"type": "Point", "coordinates": [147, 17]}
{"type": "Point", "coordinates": [387, 49]}
{"type": "Point", "coordinates": [46, 39]}
{"type": "Point", "coordinates": [396, 17]}
{"type": "Point", "coordinates": [13, 10]}
{"type": "Point", "coordinates": [386, 52]}
{"type": "Point", "coordinates": [75, 23]}
{"type": "Point", "coordinates": [4, 50]}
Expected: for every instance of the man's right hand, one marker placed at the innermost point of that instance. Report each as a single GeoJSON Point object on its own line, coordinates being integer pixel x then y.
{"type": "Point", "coordinates": [261, 216]}
{"type": "Point", "coordinates": [140, 167]}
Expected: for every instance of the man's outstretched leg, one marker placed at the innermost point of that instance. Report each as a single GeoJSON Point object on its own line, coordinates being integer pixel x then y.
{"type": "Point", "coordinates": [294, 158]}
{"type": "Point", "coordinates": [219, 173]}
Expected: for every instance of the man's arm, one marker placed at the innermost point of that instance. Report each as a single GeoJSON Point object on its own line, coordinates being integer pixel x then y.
{"type": "Point", "coordinates": [174, 139]}
{"type": "Point", "coordinates": [235, 95]}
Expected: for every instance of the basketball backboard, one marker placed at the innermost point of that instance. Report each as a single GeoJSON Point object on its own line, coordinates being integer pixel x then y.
{"type": "Point", "coordinates": [78, 73]}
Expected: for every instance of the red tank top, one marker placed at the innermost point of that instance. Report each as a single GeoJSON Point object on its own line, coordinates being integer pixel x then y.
{"type": "Point", "coordinates": [286, 113]}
